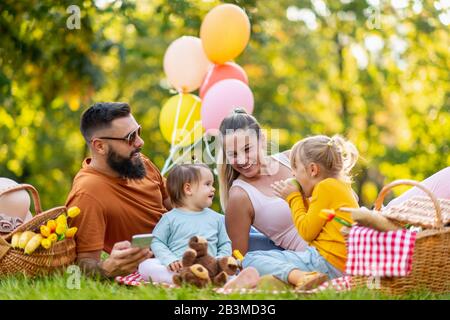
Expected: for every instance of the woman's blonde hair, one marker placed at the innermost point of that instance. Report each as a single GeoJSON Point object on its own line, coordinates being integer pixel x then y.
{"type": "Point", "coordinates": [336, 156]}
{"type": "Point", "coordinates": [239, 119]}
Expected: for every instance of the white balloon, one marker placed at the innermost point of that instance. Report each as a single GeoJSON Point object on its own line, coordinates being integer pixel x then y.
{"type": "Point", "coordinates": [186, 64]}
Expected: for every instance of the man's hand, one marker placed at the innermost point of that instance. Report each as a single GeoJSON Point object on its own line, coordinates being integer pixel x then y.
{"type": "Point", "coordinates": [124, 259]}
{"type": "Point", "coordinates": [175, 266]}
{"type": "Point", "coordinates": [282, 188]}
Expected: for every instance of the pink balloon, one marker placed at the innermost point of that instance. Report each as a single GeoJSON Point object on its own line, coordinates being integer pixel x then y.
{"type": "Point", "coordinates": [218, 72]}
{"type": "Point", "coordinates": [221, 99]}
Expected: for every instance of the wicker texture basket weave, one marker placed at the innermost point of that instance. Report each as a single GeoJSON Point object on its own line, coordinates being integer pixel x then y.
{"type": "Point", "coordinates": [419, 211]}
{"type": "Point", "coordinates": [41, 261]}
{"type": "Point", "coordinates": [431, 258]}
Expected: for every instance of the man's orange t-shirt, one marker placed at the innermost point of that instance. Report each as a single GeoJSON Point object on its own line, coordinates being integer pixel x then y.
{"type": "Point", "coordinates": [115, 209]}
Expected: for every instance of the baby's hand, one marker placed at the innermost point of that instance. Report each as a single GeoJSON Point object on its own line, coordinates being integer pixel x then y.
{"type": "Point", "coordinates": [282, 188]}
{"type": "Point", "coordinates": [175, 266]}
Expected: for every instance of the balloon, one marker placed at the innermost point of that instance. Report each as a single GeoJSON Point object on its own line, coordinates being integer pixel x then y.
{"type": "Point", "coordinates": [15, 203]}
{"type": "Point", "coordinates": [221, 99]}
{"type": "Point", "coordinates": [225, 32]}
{"type": "Point", "coordinates": [229, 70]}
{"type": "Point", "coordinates": [186, 64]}
{"type": "Point", "coordinates": [188, 117]}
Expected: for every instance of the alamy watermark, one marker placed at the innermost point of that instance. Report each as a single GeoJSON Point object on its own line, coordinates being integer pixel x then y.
{"type": "Point", "coordinates": [74, 279]}
{"type": "Point", "coordinates": [74, 20]}
{"type": "Point", "coordinates": [239, 147]}
{"type": "Point", "coordinates": [374, 281]}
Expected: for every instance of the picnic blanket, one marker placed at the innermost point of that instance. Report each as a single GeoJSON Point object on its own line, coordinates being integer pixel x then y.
{"type": "Point", "coordinates": [375, 253]}
{"type": "Point", "coordinates": [338, 284]}
{"type": "Point", "coordinates": [370, 253]}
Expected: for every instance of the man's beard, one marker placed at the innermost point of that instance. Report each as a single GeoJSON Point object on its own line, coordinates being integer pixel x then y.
{"type": "Point", "coordinates": [125, 166]}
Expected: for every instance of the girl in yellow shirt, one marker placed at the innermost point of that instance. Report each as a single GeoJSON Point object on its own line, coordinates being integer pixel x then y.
{"type": "Point", "coordinates": [321, 166]}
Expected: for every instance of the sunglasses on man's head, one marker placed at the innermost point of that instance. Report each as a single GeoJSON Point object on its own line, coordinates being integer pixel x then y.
{"type": "Point", "coordinates": [130, 138]}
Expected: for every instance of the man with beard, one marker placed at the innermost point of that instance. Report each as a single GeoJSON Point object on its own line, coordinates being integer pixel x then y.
{"type": "Point", "coordinates": [120, 192]}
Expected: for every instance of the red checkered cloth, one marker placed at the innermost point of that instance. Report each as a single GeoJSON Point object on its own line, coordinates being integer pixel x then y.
{"type": "Point", "coordinates": [383, 254]}
{"type": "Point", "coordinates": [135, 279]}
{"type": "Point", "coordinates": [338, 284]}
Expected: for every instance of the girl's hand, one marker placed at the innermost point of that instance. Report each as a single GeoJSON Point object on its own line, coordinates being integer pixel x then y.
{"type": "Point", "coordinates": [282, 188]}
{"type": "Point", "coordinates": [175, 266]}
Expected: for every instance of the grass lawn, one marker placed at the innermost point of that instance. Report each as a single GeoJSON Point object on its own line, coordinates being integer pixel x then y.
{"type": "Point", "coordinates": [55, 287]}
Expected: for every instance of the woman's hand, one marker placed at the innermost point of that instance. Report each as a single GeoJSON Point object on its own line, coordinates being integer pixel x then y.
{"type": "Point", "coordinates": [175, 266]}
{"type": "Point", "coordinates": [282, 188]}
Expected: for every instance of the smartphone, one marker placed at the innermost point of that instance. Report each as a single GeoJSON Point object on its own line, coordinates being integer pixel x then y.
{"type": "Point", "coordinates": [142, 240]}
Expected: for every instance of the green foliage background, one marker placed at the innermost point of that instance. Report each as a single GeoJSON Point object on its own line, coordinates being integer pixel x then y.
{"type": "Point", "coordinates": [393, 101]}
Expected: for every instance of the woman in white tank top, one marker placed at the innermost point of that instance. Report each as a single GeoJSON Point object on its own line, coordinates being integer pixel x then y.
{"type": "Point", "coordinates": [245, 175]}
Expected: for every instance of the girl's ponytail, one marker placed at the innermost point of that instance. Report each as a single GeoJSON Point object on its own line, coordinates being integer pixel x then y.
{"type": "Point", "coordinates": [349, 155]}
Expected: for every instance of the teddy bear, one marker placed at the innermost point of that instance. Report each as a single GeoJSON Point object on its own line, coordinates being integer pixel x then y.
{"type": "Point", "coordinates": [201, 269]}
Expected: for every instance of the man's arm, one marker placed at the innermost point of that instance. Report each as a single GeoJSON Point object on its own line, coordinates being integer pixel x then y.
{"type": "Point", "coordinates": [90, 263]}
{"type": "Point", "coordinates": [123, 260]}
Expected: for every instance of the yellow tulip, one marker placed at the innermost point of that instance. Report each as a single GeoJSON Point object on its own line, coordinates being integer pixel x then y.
{"type": "Point", "coordinates": [73, 212]}
{"type": "Point", "coordinates": [46, 243]}
{"type": "Point", "coordinates": [62, 219]}
{"type": "Point", "coordinates": [61, 228]}
{"type": "Point", "coordinates": [51, 224]}
{"type": "Point", "coordinates": [53, 237]}
{"type": "Point", "coordinates": [238, 255]}
{"type": "Point", "coordinates": [45, 231]}
{"type": "Point", "coordinates": [71, 232]}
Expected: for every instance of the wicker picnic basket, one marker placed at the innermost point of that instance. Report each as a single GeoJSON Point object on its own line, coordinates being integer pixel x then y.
{"type": "Point", "coordinates": [431, 258]}
{"type": "Point", "coordinates": [41, 261]}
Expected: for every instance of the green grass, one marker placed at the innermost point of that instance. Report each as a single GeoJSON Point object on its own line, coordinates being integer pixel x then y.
{"type": "Point", "coordinates": [55, 288]}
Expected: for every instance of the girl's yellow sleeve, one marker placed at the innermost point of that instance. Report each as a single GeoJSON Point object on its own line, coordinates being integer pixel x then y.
{"type": "Point", "coordinates": [307, 221]}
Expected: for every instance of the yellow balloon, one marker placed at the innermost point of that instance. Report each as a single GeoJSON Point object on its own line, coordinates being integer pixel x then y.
{"type": "Point", "coordinates": [189, 126]}
{"type": "Point", "coordinates": [225, 32]}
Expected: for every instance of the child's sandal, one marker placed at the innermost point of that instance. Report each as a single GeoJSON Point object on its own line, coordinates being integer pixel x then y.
{"type": "Point", "coordinates": [311, 280]}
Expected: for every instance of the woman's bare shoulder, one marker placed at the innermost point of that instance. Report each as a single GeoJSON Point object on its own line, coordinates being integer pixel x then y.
{"type": "Point", "coordinates": [238, 194]}
{"type": "Point", "coordinates": [239, 203]}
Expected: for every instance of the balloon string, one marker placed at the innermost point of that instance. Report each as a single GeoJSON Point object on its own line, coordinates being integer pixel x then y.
{"type": "Point", "coordinates": [208, 150]}
{"type": "Point", "coordinates": [181, 157]}
{"type": "Point", "coordinates": [175, 125]}
{"type": "Point", "coordinates": [188, 134]}
{"type": "Point", "coordinates": [166, 164]}
{"type": "Point", "coordinates": [208, 75]}
{"type": "Point", "coordinates": [177, 147]}
{"type": "Point", "coordinates": [191, 112]}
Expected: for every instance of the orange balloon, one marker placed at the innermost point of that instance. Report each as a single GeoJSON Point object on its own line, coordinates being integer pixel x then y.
{"type": "Point", "coordinates": [228, 70]}
{"type": "Point", "coordinates": [225, 32]}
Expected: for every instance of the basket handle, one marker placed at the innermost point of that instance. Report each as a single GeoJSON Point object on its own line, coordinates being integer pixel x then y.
{"type": "Point", "coordinates": [388, 187]}
{"type": "Point", "coordinates": [31, 189]}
